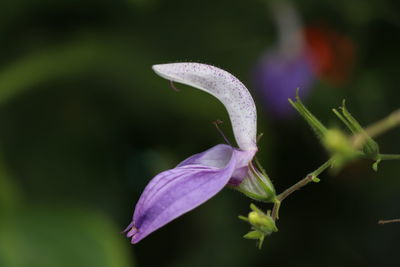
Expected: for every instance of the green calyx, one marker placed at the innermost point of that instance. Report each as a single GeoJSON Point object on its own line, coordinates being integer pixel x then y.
{"type": "Point", "coordinates": [361, 138]}
{"type": "Point", "coordinates": [342, 147]}
{"type": "Point", "coordinates": [257, 185]}
{"type": "Point", "coordinates": [318, 128]}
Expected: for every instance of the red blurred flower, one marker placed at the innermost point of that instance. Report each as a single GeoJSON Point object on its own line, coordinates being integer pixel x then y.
{"type": "Point", "coordinates": [332, 54]}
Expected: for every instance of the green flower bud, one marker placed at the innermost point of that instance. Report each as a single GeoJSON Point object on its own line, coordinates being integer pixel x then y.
{"type": "Point", "coordinates": [337, 142]}
{"type": "Point", "coordinates": [262, 224]}
{"type": "Point", "coordinates": [261, 221]}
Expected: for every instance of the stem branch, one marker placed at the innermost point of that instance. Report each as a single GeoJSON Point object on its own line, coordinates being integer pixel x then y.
{"type": "Point", "coordinates": [389, 156]}
{"type": "Point", "coordinates": [385, 124]}
{"type": "Point", "coordinates": [312, 177]}
{"type": "Point", "coordinates": [389, 221]}
{"type": "Point", "coordinates": [378, 128]}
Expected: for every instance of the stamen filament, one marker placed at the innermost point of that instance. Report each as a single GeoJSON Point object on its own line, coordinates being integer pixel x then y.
{"type": "Point", "coordinates": [171, 83]}
{"type": "Point", "coordinates": [216, 123]}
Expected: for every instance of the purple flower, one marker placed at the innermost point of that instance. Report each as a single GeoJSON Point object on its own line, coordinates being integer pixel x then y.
{"type": "Point", "coordinates": [198, 178]}
{"type": "Point", "coordinates": [278, 76]}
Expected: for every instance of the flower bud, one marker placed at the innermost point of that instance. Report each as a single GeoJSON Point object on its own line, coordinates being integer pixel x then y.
{"type": "Point", "coordinates": [337, 142]}
{"type": "Point", "coordinates": [261, 221]}
{"type": "Point", "coordinates": [261, 224]}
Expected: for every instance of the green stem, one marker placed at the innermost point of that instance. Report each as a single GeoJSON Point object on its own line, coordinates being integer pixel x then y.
{"type": "Point", "coordinates": [385, 124]}
{"type": "Point", "coordinates": [309, 178]}
{"type": "Point", "coordinates": [9, 193]}
{"type": "Point", "coordinates": [378, 128]}
{"type": "Point", "coordinates": [389, 156]}
{"type": "Point", "coordinates": [275, 209]}
{"type": "Point", "coordinates": [312, 177]}
{"type": "Point", "coordinates": [306, 180]}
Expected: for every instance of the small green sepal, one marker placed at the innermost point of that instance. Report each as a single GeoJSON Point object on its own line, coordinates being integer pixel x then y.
{"type": "Point", "coordinates": [375, 164]}
{"type": "Point", "coordinates": [253, 235]}
{"type": "Point", "coordinates": [243, 218]}
{"type": "Point", "coordinates": [315, 179]}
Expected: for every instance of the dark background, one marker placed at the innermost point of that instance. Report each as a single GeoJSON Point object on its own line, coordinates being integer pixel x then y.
{"type": "Point", "coordinates": [85, 124]}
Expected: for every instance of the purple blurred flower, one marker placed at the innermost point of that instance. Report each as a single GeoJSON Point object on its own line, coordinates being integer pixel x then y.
{"type": "Point", "coordinates": [283, 69]}
{"type": "Point", "coordinates": [277, 77]}
{"type": "Point", "coordinates": [198, 178]}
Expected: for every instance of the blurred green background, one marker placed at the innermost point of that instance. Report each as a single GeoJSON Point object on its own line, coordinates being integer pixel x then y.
{"type": "Point", "coordinates": [85, 124]}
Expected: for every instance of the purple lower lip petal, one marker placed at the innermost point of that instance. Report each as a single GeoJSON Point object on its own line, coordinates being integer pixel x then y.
{"type": "Point", "coordinates": [177, 191]}
{"type": "Point", "coordinates": [132, 232]}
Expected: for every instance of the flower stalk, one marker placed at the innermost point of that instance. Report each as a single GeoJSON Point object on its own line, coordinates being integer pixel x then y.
{"type": "Point", "coordinates": [311, 177]}
{"type": "Point", "coordinates": [389, 221]}
{"type": "Point", "coordinates": [382, 126]}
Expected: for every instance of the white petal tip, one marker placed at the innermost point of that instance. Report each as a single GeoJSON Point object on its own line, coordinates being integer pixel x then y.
{"type": "Point", "coordinates": [163, 70]}
{"type": "Point", "coordinates": [157, 67]}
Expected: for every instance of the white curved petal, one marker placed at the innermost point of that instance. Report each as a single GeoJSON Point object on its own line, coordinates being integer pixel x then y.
{"type": "Point", "coordinates": [224, 86]}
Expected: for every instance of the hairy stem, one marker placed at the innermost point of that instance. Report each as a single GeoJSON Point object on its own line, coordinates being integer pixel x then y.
{"type": "Point", "coordinates": [391, 121]}
{"type": "Point", "coordinates": [378, 128]}
{"type": "Point", "coordinates": [311, 177]}
{"type": "Point", "coordinates": [389, 156]}
{"type": "Point", "coordinates": [389, 221]}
